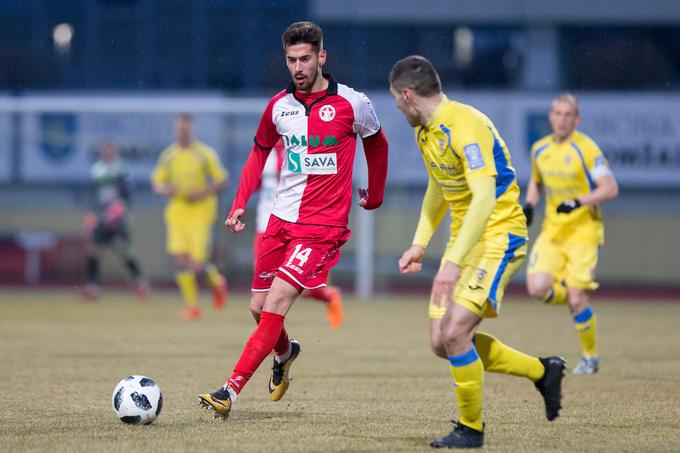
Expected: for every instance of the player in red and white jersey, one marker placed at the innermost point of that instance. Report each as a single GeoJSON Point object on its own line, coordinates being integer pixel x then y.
{"type": "Point", "coordinates": [318, 120]}
{"type": "Point", "coordinates": [329, 295]}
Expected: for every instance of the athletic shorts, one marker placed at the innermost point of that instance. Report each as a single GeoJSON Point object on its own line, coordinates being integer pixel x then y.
{"type": "Point", "coordinates": [301, 255]}
{"type": "Point", "coordinates": [189, 236]}
{"type": "Point", "coordinates": [573, 263]}
{"type": "Point", "coordinates": [485, 272]}
{"type": "Point", "coordinates": [257, 247]}
{"type": "Point", "coordinates": [105, 235]}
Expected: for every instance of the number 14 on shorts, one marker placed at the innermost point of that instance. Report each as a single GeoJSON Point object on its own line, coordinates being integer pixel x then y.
{"type": "Point", "coordinates": [301, 256]}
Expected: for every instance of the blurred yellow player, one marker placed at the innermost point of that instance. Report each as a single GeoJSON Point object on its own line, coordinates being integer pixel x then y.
{"type": "Point", "coordinates": [191, 175]}
{"type": "Point", "coordinates": [470, 173]}
{"type": "Point", "coordinates": [572, 171]}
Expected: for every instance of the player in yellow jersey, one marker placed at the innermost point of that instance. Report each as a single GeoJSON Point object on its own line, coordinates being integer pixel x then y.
{"type": "Point", "coordinates": [191, 175]}
{"type": "Point", "coordinates": [470, 174]}
{"type": "Point", "coordinates": [573, 173]}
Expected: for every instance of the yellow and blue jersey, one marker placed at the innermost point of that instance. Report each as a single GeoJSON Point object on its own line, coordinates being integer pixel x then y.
{"type": "Point", "coordinates": [189, 169]}
{"type": "Point", "coordinates": [460, 144]}
{"type": "Point", "coordinates": [567, 170]}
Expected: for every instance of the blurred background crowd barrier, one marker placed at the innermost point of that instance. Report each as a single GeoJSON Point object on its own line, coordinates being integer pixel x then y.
{"type": "Point", "coordinates": [81, 72]}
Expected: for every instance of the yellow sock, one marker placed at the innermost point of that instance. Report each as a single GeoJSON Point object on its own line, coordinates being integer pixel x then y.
{"type": "Point", "coordinates": [586, 325]}
{"type": "Point", "coordinates": [187, 287]}
{"type": "Point", "coordinates": [468, 374]}
{"type": "Point", "coordinates": [499, 358]}
{"type": "Point", "coordinates": [212, 275]}
{"type": "Point", "coordinates": [557, 295]}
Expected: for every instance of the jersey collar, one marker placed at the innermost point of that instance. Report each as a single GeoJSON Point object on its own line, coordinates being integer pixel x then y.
{"type": "Point", "coordinates": [330, 91]}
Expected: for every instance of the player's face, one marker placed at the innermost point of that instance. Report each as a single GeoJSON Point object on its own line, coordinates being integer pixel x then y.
{"type": "Point", "coordinates": [563, 119]}
{"type": "Point", "coordinates": [406, 106]}
{"type": "Point", "coordinates": [184, 130]}
{"type": "Point", "coordinates": [108, 152]}
{"type": "Point", "coordinates": [304, 64]}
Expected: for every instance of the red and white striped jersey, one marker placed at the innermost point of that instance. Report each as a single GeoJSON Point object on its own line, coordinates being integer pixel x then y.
{"type": "Point", "coordinates": [319, 132]}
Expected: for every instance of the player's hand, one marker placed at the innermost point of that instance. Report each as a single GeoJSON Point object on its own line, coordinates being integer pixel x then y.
{"type": "Point", "coordinates": [528, 213]}
{"type": "Point", "coordinates": [114, 213]}
{"type": "Point", "coordinates": [444, 282]}
{"type": "Point", "coordinates": [234, 222]}
{"type": "Point", "coordinates": [568, 205]}
{"type": "Point", "coordinates": [410, 261]}
{"type": "Point", "coordinates": [89, 222]}
{"type": "Point", "coordinates": [194, 195]}
{"type": "Point", "coordinates": [363, 197]}
{"type": "Point", "coordinates": [166, 189]}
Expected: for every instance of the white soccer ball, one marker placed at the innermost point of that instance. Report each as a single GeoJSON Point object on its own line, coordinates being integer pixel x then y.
{"type": "Point", "coordinates": [137, 400]}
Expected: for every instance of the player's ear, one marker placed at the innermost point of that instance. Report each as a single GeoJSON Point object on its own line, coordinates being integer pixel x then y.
{"type": "Point", "coordinates": [407, 94]}
{"type": "Point", "coordinates": [322, 57]}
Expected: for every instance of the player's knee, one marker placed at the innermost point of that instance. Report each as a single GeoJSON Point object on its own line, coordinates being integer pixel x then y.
{"type": "Point", "coordinates": [438, 349]}
{"type": "Point", "coordinates": [538, 288]}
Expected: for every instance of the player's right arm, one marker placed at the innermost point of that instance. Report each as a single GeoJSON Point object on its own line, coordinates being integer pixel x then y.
{"type": "Point", "coordinates": [431, 214]}
{"type": "Point", "coordinates": [265, 139]}
{"type": "Point", "coordinates": [533, 195]}
{"type": "Point", "coordinates": [160, 177]}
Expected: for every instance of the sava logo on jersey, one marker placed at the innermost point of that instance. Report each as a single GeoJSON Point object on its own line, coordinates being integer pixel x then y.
{"type": "Point", "coordinates": [313, 164]}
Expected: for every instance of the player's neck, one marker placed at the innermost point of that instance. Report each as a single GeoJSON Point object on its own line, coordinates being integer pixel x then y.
{"type": "Point", "coordinates": [184, 144]}
{"type": "Point", "coordinates": [562, 139]}
{"type": "Point", "coordinates": [428, 106]}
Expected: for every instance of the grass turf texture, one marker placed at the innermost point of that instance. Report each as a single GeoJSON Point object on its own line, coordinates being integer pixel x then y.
{"type": "Point", "coordinates": [372, 385]}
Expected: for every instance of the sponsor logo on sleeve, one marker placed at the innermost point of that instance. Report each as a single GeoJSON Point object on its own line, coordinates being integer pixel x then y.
{"type": "Point", "coordinates": [474, 157]}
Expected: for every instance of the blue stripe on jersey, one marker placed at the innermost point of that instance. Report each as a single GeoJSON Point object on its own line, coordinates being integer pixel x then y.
{"type": "Point", "coordinates": [540, 150]}
{"type": "Point", "coordinates": [506, 175]}
{"type": "Point", "coordinates": [591, 183]}
{"type": "Point", "coordinates": [584, 316]}
{"type": "Point", "coordinates": [465, 358]}
{"type": "Point", "coordinates": [447, 131]}
{"type": "Point", "coordinates": [514, 243]}
{"type": "Point", "coordinates": [420, 131]}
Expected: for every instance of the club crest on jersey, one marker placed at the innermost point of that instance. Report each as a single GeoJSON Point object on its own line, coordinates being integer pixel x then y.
{"type": "Point", "coordinates": [327, 113]}
{"type": "Point", "coordinates": [567, 159]}
{"type": "Point", "coordinates": [313, 164]}
{"type": "Point", "coordinates": [442, 145]}
{"type": "Point", "coordinates": [474, 157]}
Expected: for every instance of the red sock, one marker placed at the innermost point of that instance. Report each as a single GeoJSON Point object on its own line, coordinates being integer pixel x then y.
{"type": "Point", "coordinates": [259, 345]}
{"type": "Point", "coordinates": [283, 344]}
{"type": "Point", "coordinates": [323, 293]}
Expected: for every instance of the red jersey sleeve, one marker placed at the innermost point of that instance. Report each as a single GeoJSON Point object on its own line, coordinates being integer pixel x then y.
{"type": "Point", "coordinates": [267, 135]}
{"type": "Point", "coordinates": [376, 150]}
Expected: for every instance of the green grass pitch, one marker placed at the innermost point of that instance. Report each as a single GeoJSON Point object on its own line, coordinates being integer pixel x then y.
{"type": "Point", "coordinates": [372, 385]}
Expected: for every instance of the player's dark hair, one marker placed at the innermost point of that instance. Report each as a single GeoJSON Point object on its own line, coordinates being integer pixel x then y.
{"type": "Point", "coordinates": [188, 117]}
{"type": "Point", "coordinates": [418, 74]}
{"type": "Point", "coordinates": [303, 33]}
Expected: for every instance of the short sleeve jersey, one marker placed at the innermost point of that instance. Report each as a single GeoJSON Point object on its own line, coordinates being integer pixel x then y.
{"type": "Point", "coordinates": [567, 170]}
{"type": "Point", "coordinates": [189, 169]}
{"type": "Point", "coordinates": [460, 144]}
{"type": "Point", "coordinates": [315, 185]}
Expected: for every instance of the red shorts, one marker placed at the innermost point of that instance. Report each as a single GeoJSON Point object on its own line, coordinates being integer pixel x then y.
{"type": "Point", "coordinates": [301, 255]}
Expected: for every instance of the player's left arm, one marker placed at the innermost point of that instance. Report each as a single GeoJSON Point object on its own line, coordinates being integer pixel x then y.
{"type": "Point", "coordinates": [376, 150]}
{"type": "Point", "coordinates": [606, 187]}
{"type": "Point", "coordinates": [367, 126]}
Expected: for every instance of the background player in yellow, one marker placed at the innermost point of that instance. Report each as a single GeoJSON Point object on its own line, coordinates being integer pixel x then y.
{"type": "Point", "coordinates": [191, 175]}
{"type": "Point", "coordinates": [470, 173]}
{"type": "Point", "coordinates": [574, 175]}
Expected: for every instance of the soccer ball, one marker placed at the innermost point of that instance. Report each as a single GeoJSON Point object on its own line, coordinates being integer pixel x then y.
{"type": "Point", "coordinates": [137, 400]}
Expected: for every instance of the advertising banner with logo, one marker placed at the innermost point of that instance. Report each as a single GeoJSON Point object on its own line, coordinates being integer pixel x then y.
{"type": "Point", "coordinates": [5, 147]}
{"type": "Point", "coordinates": [61, 146]}
{"type": "Point", "coordinates": [638, 133]}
